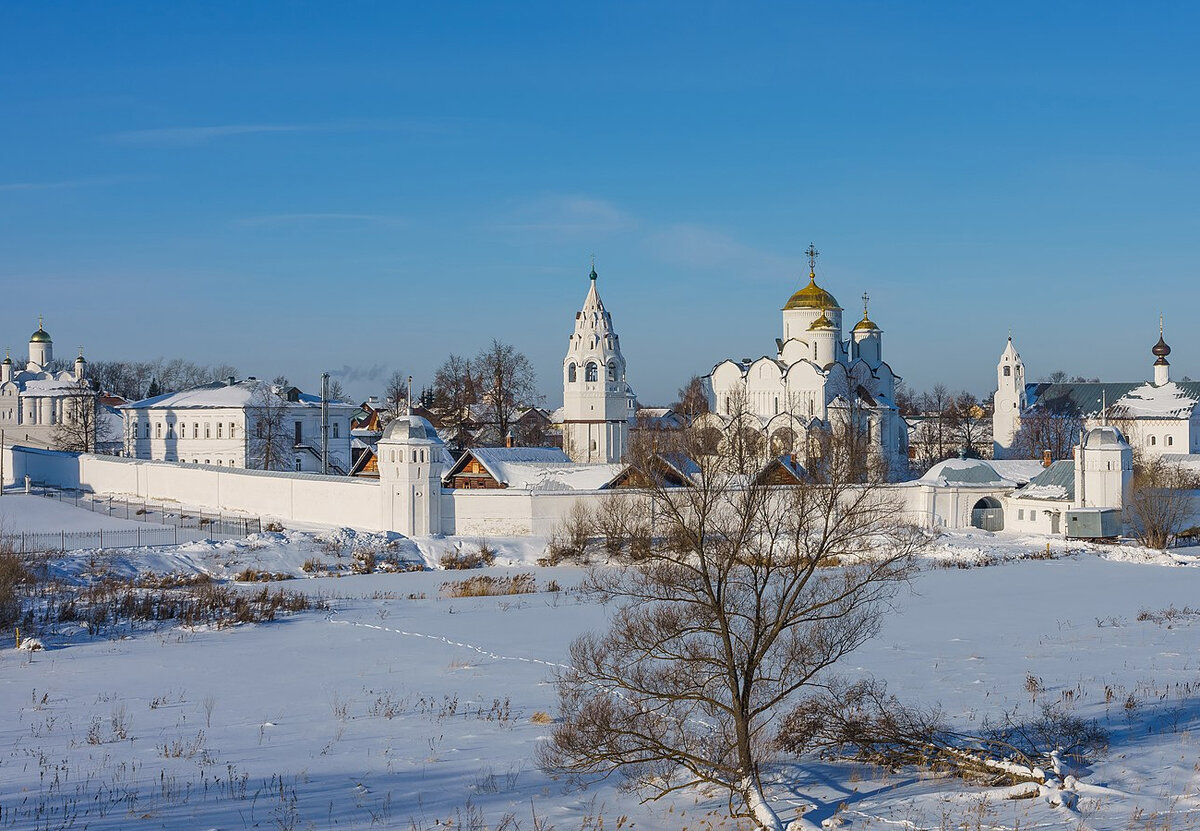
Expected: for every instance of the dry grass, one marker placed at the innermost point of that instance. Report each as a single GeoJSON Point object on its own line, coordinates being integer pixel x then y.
{"type": "Point", "coordinates": [486, 585]}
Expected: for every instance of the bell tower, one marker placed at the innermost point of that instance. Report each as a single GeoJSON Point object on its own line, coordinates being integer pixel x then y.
{"type": "Point", "coordinates": [1009, 401]}
{"type": "Point", "coordinates": [595, 393]}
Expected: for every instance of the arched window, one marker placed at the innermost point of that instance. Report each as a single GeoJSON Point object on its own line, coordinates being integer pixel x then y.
{"type": "Point", "coordinates": [1007, 371]}
{"type": "Point", "coordinates": [1170, 439]}
{"type": "Point", "coordinates": [1153, 440]}
{"type": "Point", "coordinates": [612, 370]}
{"type": "Point", "coordinates": [591, 373]}
{"type": "Point", "coordinates": [572, 373]}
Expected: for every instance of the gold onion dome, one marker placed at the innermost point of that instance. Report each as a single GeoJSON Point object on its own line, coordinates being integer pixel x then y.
{"type": "Point", "coordinates": [821, 322]}
{"type": "Point", "coordinates": [40, 336]}
{"type": "Point", "coordinates": [812, 296]}
{"type": "Point", "coordinates": [865, 324]}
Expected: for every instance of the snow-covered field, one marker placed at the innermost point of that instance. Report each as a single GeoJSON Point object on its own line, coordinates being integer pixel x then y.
{"type": "Point", "coordinates": [400, 708]}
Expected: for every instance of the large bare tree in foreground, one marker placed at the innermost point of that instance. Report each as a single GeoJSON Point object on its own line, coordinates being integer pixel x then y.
{"type": "Point", "coordinates": [743, 597]}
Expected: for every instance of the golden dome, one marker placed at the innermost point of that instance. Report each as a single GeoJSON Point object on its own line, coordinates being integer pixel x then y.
{"type": "Point", "coordinates": [812, 296]}
{"type": "Point", "coordinates": [821, 322]}
{"type": "Point", "coordinates": [867, 324]}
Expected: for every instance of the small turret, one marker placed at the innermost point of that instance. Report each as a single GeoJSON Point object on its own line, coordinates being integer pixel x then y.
{"type": "Point", "coordinates": [1162, 368]}
{"type": "Point", "coordinates": [867, 339]}
{"type": "Point", "coordinates": [824, 338]}
{"type": "Point", "coordinates": [6, 368]}
{"type": "Point", "coordinates": [80, 366]}
{"type": "Point", "coordinates": [41, 349]}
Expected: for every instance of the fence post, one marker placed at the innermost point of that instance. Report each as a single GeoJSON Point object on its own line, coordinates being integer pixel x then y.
{"type": "Point", "coordinates": [177, 535]}
{"type": "Point", "coordinates": [62, 536]}
{"type": "Point", "coordinates": [101, 537]}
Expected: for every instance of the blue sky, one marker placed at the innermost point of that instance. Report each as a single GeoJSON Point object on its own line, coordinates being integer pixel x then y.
{"type": "Point", "coordinates": [358, 188]}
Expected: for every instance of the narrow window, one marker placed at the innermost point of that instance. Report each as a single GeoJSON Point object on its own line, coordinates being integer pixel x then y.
{"type": "Point", "coordinates": [572, 373]}
{"type": "Point", "coordinates": [297, 465]}
{"type": "Point", "coordinates": [336, 430]}
{"type": "Point", "coordinates": [207, 430]}
{"type": "Point", "coordinates": [1170, 440]}
{"type": "Point", "coordinates": [1021, 513]}
{"type": "Point", "coordinates": [258, 429]}
{"type": "Point", "coordinates": [196, 430]}
{"type": "Point", "coordinates": [1153, 440]}
{"type": "Point", "coordinates": [1007, 371]}
{"type": "Point", "coordinates": [612, 371]}
{"type": "Point", "coordinates": [298, 425]}
{"type": "Point", "coordinates": [158, 430]}
{"type": "Point", "coordinates": [219, 425]}
{"type": "Point", "coordinates": [592, 372]}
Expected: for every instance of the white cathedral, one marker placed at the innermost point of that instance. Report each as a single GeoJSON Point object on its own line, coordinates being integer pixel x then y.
{"type": "Point", "coordinates": [35, 399]}
{"type": "Point", "coordinates": [815, 381]}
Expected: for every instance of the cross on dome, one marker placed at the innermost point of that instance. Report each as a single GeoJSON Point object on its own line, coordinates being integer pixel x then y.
{"type": "Point", "coordinates": [812, 253]}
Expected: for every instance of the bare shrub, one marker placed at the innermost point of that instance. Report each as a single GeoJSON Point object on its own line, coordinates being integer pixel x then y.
{"type": "Point", "coordinates": [364, 561]}
{"type": "Point", "coordinates": [1160, 503]}
{"type": "Point", "coordinates": [481, 557]}
{"type": "Point", "coordinates": [14, 576]}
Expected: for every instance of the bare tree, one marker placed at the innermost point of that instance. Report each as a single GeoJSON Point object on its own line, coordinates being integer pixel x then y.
{"type": "Point", "coordinates": [336, 392]}
{"type": "Point", "coordinates": [270, 445]}
{"type": "Point", "coordinates": [741, 600]}
{"type": "Point", "coordinates": [1053, 426]}
{"type": "Point", "coordinates": [507, 377]}
{"type": "Point", "coordinates": [693, 400]}
{"type": "Point", "coordinates": [81, 426]}
{"type": "Point", "coordinates": [1160, 501]}
{"type": "Point", "coordinates": [395, 394]}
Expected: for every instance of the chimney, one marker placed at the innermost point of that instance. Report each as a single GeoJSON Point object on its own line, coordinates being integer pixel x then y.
{"type": "Point", "coordinates": [1046, 460]}
{"type": "Point", "coordinates": [508, 440]}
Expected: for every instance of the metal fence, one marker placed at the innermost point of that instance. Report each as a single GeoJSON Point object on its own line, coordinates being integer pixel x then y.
{"type": "Point", "coordinates": [185, 524]}
{"type": "Point", "coordinates": [28, 542]}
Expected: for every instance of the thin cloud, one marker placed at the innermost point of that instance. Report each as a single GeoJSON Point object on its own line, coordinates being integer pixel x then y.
{"type": "Point", "coordinates": [351, 374]}
{"type": "Point", "coordinates": [569, 216]}
{"type": "Point", "coordinates": [194, 136]}
{"type": "Point", "coordinates": [697, 246]}
{"type": "Point", "coordinates": [66, 183]}
{"type": "Point", "coordinates": [302, 218]}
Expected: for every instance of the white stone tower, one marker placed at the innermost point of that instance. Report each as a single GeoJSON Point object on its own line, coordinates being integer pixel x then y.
{"type": "Point", "coordinates": [1103, 469]}
{"type": "Point", "coordinates": [595, 393]}
{"type": "Point", "coordinates": [1009, 401]}
{"type": "Point", "coordinates": [41, 349]}
{"type": "Point", "coordinates": [409, 456]}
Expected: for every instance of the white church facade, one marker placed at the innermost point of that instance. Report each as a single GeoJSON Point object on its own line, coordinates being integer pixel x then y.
{"type": "Point", "coordinates": [817, 380]}
{"type": "Point", "coordinates": [1157, 417]}
{"type": "Point", "coordinates": [36, 399]}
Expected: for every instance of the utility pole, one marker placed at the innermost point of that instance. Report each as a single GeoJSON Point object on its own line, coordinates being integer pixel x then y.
{"type": "Point", "coordinates": [325, 423]}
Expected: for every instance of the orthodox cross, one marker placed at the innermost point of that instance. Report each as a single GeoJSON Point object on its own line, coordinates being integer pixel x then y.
{"type": "Point", "coordinates": [812, 253]}
{"type": "Point", "coordinates": [866, 297]}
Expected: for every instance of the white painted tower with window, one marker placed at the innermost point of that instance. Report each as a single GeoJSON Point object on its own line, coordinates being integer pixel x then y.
{"type": "Point", "coordinates": [1009, 401]}
{"type": "Point", "coordinates": [409, 456]}
{"type": "Point", "coordinates": [595, 394]}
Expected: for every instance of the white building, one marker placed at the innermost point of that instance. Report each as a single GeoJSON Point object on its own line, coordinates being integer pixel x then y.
{"type": "Point", "coordinates": [1156, 417]}
{"type": "Point", "coordinates": [35, 399]}
{"type": "Point", "coordinates": [815, 381]}
{"type": "Point", "coordinates": [597, 401]}
{"type": "Point", "coordinates": [223, 424]}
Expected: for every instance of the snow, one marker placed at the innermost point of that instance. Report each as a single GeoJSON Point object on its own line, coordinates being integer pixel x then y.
{"type": "Point", "coordinates": [399, 707]}
{"type": "Point", "coordinates": [22, 512]}
{"type": "Point", "coordinates": [1148, 401]}
{"type": "Point", "coordinates": [557, 477]}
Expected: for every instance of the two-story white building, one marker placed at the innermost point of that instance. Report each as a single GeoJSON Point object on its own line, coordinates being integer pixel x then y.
{"type": "Point", "coordinates": [248, 423]}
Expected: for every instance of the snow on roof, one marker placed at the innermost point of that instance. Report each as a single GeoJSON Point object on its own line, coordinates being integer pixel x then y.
{"type": "Point", "coordinates": [1017, 470]}
{"type": "Point", "coordinates": [1148, 401]}
{"type": "Point", "coordinates": [1055, 482]}
{"type": "Point", "coordinates": [559, 476]}
{"type": "Point", "coordinates": [49, 386]}
{"type": "Point", "coordinates": [221, 394]}
{"type": "Point", "coordinates": [964, 472]}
